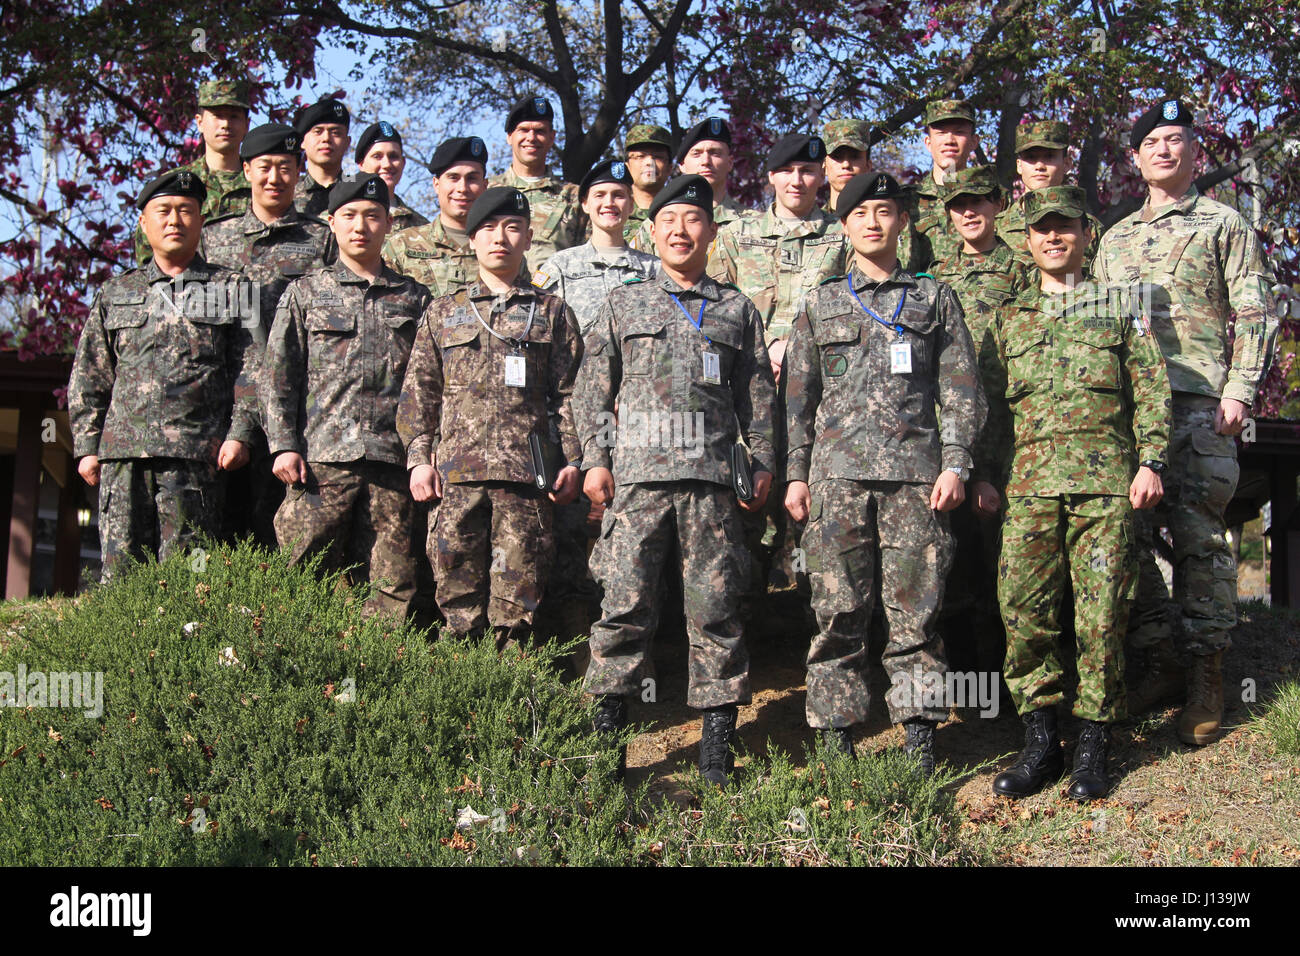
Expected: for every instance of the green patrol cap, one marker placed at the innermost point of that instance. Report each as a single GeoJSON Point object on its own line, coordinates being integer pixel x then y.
{"type": "Point", "coordinates": [223, 93]}
{"type": "Point", "coordinates": [1050, 134]}
{"type": "Point", "coordinates": [643, 134]}
{"type": "Point", "coordinates": [1067, 201]}
{"type": "Point", "coordinates": [853, 133]}
{"type": "Point", "coordinates": [971, 181]}
{"type": "Point", "coordinates": [937, 111]}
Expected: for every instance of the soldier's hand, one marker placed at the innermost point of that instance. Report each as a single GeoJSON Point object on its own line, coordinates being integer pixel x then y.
{"type": "Point", "coordinates": [88, 469]}
{"type": "Point", "coordinates": [233, 455]}
{"type": "Point", "coordinates": [987, 499]}
{"type": "Point", "coordinates": [762, 485]}
{"type": "Point", "coordinates": [566, 486]}
{"type": "Point", "coordinates": [1230, 417]}
{"type": "Point", "coordinates": [290, 468]}
{"type": "Point", "coordinates": [599, 486]}
{"type": "Point", "coordinates": [798, 500]}
{"type": "Point", "coordinates": [948, 492]}
{"type": "Point", "coordinates": [426, 483]}
{"type": "Point", "coordinates": [776, 355]}
{"type": "Point", "coordinates": [1147, 488]}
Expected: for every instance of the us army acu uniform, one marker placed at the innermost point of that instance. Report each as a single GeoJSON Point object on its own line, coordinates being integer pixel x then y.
{"type": "Point", "coordinates": [311, 198]}
{"type": "Point", "coordinates": [335, 365]}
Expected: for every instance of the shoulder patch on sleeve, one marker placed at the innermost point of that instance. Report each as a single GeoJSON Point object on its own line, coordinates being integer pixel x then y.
{"type": "Point", "coordinates": [541, 279]}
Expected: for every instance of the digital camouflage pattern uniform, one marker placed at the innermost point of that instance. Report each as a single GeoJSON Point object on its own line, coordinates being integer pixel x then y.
{"type": "Point", "coordinates": [157, 385]}
{"type": "Point", "coordinates": [430, 255]}
{"type": "Point", "coordinates": [725, 214]}
{"type": "Point", "coordinates": [334, 368]}
{"type": "Point", "coordinates": [404, 217]}
{"type": "Point", "coordinates": [228, 193]}
{"type": "Point", "coordinates": [673, 488]}
{"type": "Point", "coordinates": [1089, 399]}
{"type": "Point", "coordinates": [310, 198]}
{"type": "Point", "coordinates": [494, 544]}
{"type": "Point", "coordinates": [557, 218]}
{"type": "Point", "coordinates": [870, 446]}
{"type": "Point", "coordinates": [1203, 264]}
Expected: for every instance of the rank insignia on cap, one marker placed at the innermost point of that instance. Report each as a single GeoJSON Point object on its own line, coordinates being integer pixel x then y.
{"type": "Point", "coordinates": [183, 180]}
{"type": "Point", "coordinates": [690, 192]}
{"type": "Point", "coordinates": [338, 109]}
{"type": "Point", "coordinates": [370, 188]}
{"type": "Point", "coordinates": [618, 170]}
{"type": "Point", "coordinates": [291, 142]}
{"type": "Point", "coordinates": [519, 201]}
{"type": "Point", "coordinates": [715, 125]}
{"type": "Point", "coordinates": [476, 146]}
{"type": "Point", "coordinates": [1170, 110]}
{"type": "Point", "coordinates": [385, 128]}
{"type": "Point", "coordinates": [882, 186]}
{"type": "Point", "coordinates": [540, 105]}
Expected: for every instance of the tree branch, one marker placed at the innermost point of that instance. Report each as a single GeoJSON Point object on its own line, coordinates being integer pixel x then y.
{"type": "Point", "coordinates": [47, 218]}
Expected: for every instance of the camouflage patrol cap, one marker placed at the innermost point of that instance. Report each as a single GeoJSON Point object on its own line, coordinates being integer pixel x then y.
{"type": "Point", "coordinates": [1067, 201]}
{"type": "Point", "coordinates": [853, 133]}
{"type": "Point", "coordinates": [972, 181]}
{"type": "Point", "coordinates": [496, 202]}
{"type": "Point", "coordinates": [1050, 134]}
{"type": "Point", "coordinates": [223, 93]}
{"type": "Point", "coordinates": [936, 111]}
{"type": "Point", "coordinates": [643, 134]}
{"type": "Point", "coordinates": [358, 187]}
{"type": "Point", "coordinates": [174, 182]}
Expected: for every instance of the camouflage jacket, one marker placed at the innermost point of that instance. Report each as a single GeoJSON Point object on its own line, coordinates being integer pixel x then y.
{"type": "Point", "coordinates": [431, 256]}
{"type": "Point", "coordinates": [634, 223]}
{"type": "Point", "coordinates": [159, 371]}
{"type": "Point", "coordinates": [404, 217]}
{"type": "Point", "coordinates": [557, 217]}
{"type": "Point", "coordinates": [848, 415]}
{"type": "Point", "coordinates": [335, 363]}
{"type": "Point", "coordinates": [583, 278]}
{"type": "Point", "coordinates": [228, 192]}
{"type": "Point", "coordinates": [1204, 264]}
{"type": "Point", "coordinates": [457, 409]}
{"type": "Point", "coordinates": [725, 214]}
{"type": "Point", "coordinates": [932, 237]}
{"type": "Point", "coordinates": [310, 198]}
{"type": "Point", "coordinates": [1083, 377]}
{"type": "Point", "coordinates": [1012, 230]}
{"type": "Point", "coordinates": [776, 268]}
{"type": "Point", "coordinates": [678, 408]}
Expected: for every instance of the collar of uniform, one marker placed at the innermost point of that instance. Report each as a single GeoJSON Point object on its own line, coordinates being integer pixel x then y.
{"type": "Point", "coordinates": [1181, 206]}
{"type": "Point", "coordinates": [253, 225]}
{"type": "Point", "coordinates": [705, 287]}
{"type": "Point", "coordinates": [927, 187]}
{"type": "Point", "coordinates": [511, 178]}
{"type": "Point", "coordinates": [899, 276]}
{"type": "Point", "coordinates": [439, 236]}
{"type": "Point", "coordinates": [396, 207]}
{"type": "Point", "coordinates": [345, 276]}
{"type": "Point", "coordinates": [772, 226]}
{"type": "Point", "coordinates": [519, 289]}
{"type": "Point", "coordinates": [590, 255]}
{"type": "Point", "coordinates": [198, 270]}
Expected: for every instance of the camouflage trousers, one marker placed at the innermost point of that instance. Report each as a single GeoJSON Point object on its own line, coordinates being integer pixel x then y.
{"type": "Point", "coordinates": [494, 554]}
{"type": "Point", "coordinates": [1199, 482]}
{"type": "Point", "coordinates": [359, 513]}
{"type": "Point", "coordinates": [856, 530]}
{"type": "Point", "coordinates": [1090, 539]}
{"type": "Point", "coordinates": [638, 533]}
{"type": "Point", "coordinates": [154, 507]}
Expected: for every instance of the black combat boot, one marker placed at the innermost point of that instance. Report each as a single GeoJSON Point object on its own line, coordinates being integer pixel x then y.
{"type": "Point", "coordinates": [1042, 760]}
{"type": "Point", "coordinates": [1088, 782]}
{"type": "Point", "coordinates": [716, 759]}
{"type": "Point", "coordinates": [837, 740]}
{"type": "Point", "coordinates": [920, 743]}
{"type": "Point", "coordinates": [611, 718]}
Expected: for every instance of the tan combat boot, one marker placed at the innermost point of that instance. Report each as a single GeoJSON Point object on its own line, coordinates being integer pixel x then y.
{"type": "Point", "coordinates": [1164, 680]}
{"type": "Point", "coordinates": [1201, 720]}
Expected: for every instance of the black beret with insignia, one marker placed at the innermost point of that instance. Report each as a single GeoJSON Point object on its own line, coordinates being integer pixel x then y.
{"type": "Point", "coordinates": [610, 171]}
{"type": "Point", "coordinates": [458, 149]}
{"type": "Point", "coordinates": [796, 148]}
{"type": "Point", "coordinates": [381, 132]}
{"type": "Point", "coordinates": [692, 189]}
{"type": "Point", "coordinates": [270, 138]}
{"type": "Point", "coordinates": [713, 128]}
{"type": "Point", "coordinates": [1164, 113]}
{"type": "Point", "coordinates": [865, 186]}
{"type": "Point", "coordinates": [174, 182]}
{"type": "Point", "coordinates": [530, 109]}
{"type": "Point", "coordinates": [361, 186]}
{"type": "Point", "coordinates": [496, 201]}
{"type": "Point", "coordinates": [324, 111]}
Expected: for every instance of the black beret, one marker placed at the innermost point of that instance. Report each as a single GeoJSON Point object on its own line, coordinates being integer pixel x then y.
{"type": "Point", "coordinates": [796, 148]}
{"type": "Point", "coordinates": [459, 149]}
{"type": "Point", "coordinates": [174, 182]}
{"type": "Point", "coordinates": [691, 189]}
{"type": "Point", "coordinates": [381, 132]}
{"type": "Point", "coordinates": [270, 138]}
{"type": "Point", "coordinates": [365, 186]}
{"type": "Point", "coordinates": [712, 128]}
{"type": "Point", "coordinates": [1164, 113]}
{"type": "Point", "coordinates": [610, 171]}
{"type": "Point", "coordinates": [325, 111]}
{"type": "Point", "coordinates": [866, 186]}
{"type": "Point", "coordinates": [496, 201]}
{"type": "Point", "coordinates": [530, 109]}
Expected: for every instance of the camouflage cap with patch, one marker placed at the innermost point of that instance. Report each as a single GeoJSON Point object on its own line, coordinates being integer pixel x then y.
{"type": "Point", "coordinates": [1068, 201]}
{"type": "Point", "coordinates": [853, 133]}
{"type": "Point", "coordinates": [223, 93]}
{"type": "Point", "coordinates": [643, 134]}
{"type": "Point", "coordinates": [972, 181]}
{"type": "Point", "coordinates": [1050, 134]}
{"type": "Point", "coordinates": [937, 111]}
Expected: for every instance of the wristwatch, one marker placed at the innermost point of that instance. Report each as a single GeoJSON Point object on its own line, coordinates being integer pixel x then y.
{"type": "Point", "coordinates": [963, 474]}
{"type": "Point", "coordinates": [1157, 466]}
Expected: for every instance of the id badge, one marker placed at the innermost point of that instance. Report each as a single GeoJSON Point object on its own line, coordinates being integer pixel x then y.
{"type": "Point", "coordinates": [712, 368]}
{"type": "Point", "coordinates": [900, 358]}
{"type": "Point", "coordinates": [516, 371]}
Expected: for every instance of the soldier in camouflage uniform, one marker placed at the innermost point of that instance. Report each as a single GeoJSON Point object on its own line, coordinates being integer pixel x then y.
{"type": "Point", "coordinates": [1042, 159]}
{"type": "Point", "coordinates": [848, 154]}
{"type": "Point", "coordinates": [950, 138]}
{"type": "Point", "coordinates": [222, 121]}
{"type": "Point", "coordinates": [1087, 391]}
{"type": "Point", "coordinates": [335, 364]}
{"type": "Point", "coordinates": [683, 360]}
{"type": "Point", "coordinates": [649, 151]}
{"type": "Point", "coordinates": [271, 244]}
{"type": "Point", "coordinates": [159, 399]}
{"type": "Point", "coordinates": [323, 131]}
{"type": "Point", "coordinates": [871, 472]}
{"type": "Point", "coordinates": [493, 363]}
{"type": "Point", "coordinates": [558, 222]}
{"type": "Point", "coordinates": [379, 151]}
{"type": "Point", "coordinates": [1204, 265]}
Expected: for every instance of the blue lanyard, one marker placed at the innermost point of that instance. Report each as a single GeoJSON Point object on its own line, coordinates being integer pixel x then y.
{"type": "Point", "coordinates": [848, 281]}
{"type": "Point", "coordinates": [697, 322]}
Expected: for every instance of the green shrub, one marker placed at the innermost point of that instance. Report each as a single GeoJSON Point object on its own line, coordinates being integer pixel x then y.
{"type": "Point", "coordinates": [1282, 718]}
